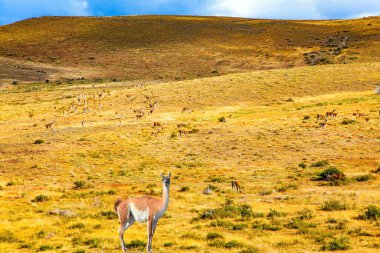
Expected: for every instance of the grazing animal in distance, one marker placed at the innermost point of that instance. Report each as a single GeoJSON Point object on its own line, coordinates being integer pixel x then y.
{"type": "Point", "coordinates": [157, 124]}
{"type": "Point", "coordinates": [323, 124]}
{"type": "Point", "coordinates": [330, 113]}
{"type": "Point", "coordinates": [143, 209]}
{"type": "Point", "coordinates": [139, 116]}
{"type": "Point", "coordinates": [236, 185]}
{"type": "Point", "coordinates": [50, 125]}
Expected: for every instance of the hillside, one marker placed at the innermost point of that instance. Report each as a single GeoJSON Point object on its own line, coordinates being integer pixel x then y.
{"type": "Point", "coordinates": [176, 48]}
{"type": "Point", "coordinates": [58, 186]}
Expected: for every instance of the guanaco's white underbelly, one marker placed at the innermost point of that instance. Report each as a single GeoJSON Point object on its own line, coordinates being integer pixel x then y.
{"type": "Point", "coordinates": [139, 215]}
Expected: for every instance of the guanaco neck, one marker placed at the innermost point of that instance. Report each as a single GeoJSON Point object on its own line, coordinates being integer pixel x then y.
{"type": "Point", "coordinates": [165, 196]}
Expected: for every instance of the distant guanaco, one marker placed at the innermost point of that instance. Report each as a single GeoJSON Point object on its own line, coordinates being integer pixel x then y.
{"type": "Point", "coordinates": [157, 124]}
{"type": "Point", "coordinates": [236, 185]}
{"type": "Point", "coordinates": [323, 124]}
{"type": "Point", "coordinates": [50, 125]}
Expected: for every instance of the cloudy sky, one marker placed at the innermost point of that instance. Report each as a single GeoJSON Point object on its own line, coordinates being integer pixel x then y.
{"type": "Point", "coordinates": [14, 10]}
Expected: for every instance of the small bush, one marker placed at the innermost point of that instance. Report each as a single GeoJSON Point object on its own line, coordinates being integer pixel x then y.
{"type": "Point", "coordinates": [108, 214]}
{"type": "Point", "coordinates": [79, 225]}
{"type": "Point", "coordinates": [184, 189]}
{"type": "Point", "coordinates": [11, 183]}
{"type": "Point", "coordinates": [240, 226]}
{"type": "Point", "coordinates": [232, 244]}
{"type": "Point", "coordinates": [342, 243]}
{"type": "Point", "coordinates": [45, 248]}
{"type": "Point", "coordinates": [274, 213]}
{"type": "Point", "coordinates": [227, 211]}
{"type": "Point", "coordinates": [39, 141]}
{"type": "Point", "coordinates": [92, 243]}
{"type": "Point", "coordinates": [15, 82]}
{"type": "Point", "coordinates": [348, 121]}
{"type": "Point", "coordinates": [322, 163]}
{"type": "Point", "coordinates": [334, 205]}
{"type": "Point", "coordinates": [168, 244]}
{"type": "Point", "coordinates": [40, 198]}
{"type": "Point", "coordinates": [265, 226]}
{"type": "Point", "coordinates": [250, 250]}
{"type": "Point", "coordinates": [334, 176]}
{"type": "Point", "coordinates": [7, 236]}
{"type": "Point", "coordinates": [299, 224]}
{"type": "Point", "coordinates": [136, 244]}
{"type": "Point", "coordinates": [265, 192]}
{"type": "Point", "coordinates": [213, 235]}
{"type": "Point", "coordinates": [372, 212]}
{"type": "Point", "coordinates": [80, 184]}
{"type": "Point", "coordinates": [305, 214]}
{"type": "Point", "coordinates": [306, 117]}
{"type": "Point", "coordinates": [302, 165]}
{"type": "Point", "coordinates": [377, 170]}
{"type": "Point", "coordinates": [363, 178]}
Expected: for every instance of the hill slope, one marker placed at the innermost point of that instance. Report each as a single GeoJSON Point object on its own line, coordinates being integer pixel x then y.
{"type": "Point", "coordinates": [170, 48]}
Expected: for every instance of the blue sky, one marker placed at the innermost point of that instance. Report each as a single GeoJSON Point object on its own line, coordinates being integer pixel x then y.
{"type": "Point", "coordinates": [15, 10]}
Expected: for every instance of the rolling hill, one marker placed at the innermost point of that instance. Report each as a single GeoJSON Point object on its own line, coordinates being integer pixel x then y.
{"type": "Point", "coordinates": [176, 48]}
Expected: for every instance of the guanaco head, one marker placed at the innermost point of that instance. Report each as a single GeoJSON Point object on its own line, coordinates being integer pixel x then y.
{"type": "Point", "coordinates": [166, 179]}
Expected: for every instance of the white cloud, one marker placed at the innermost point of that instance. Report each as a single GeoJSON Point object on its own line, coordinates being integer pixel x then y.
{"type": "Point", "coordinates": [292, 9]}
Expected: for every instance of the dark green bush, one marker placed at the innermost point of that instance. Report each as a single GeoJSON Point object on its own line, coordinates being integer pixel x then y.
{"type": "Point", "coordinates": [39, 141]}
{"type": "Point", "coordinates": [342, 243]}
{"type": "Point", "coordinates": [322, 163]}
{"type": "Point", "coordinates": [334, 176]}
{"type": "Point", "coordinates": [184, 189]}
{"type": "Point", "coordinates": [265, 226]}
{"type": "Point", "coordinates": [136, 244]}
{"type": "Point", "coordinates": [372, 212]}
{"type": "Point", "coordinates": [348, 121]}
{"type": "Point", "coordinates": [108, 214]}
{"type": "Point", "coordinates": [93, 243]}
{"type": "Point", "coordinates": [79, 225]}
{"type": "Point", "coordinates": [250, 250]}
{"type": "Point", "coordinates": [80, 184]}
{"type": "Point", "coordinates": [45, 248]}
{"type": "Point", "coordinates": [363, 178]}
{"type": "Point", "coordinates": [334, 205]}
{"type": "Point", "coordinates": [40, 198]}
{"type": "Point", "coordinates": [228, 211]}
{"type": "Point", "coordinates": [302, 165]}
{"type": "Point", "coordinates": [213, 235]}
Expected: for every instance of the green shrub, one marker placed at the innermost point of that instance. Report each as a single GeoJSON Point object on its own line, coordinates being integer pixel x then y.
{"type": "Point", "coordinates": [213, 235]}
{"type": "Point", "coordinates": [93, 243]}
{"type": "Point", "coordinates": [232, 244]}
{"type": "Point", "coordinates": [348, 121]}
{"type": "Point", "coordinates": [108, 214]}
{"type": "Point", "coordinates": [250, 250]}
{"type": "Point", "coordinates": [184, 189]}
{"type": "Point", "coordinates": [240, 226]}
{"type": "Point", "coordinates": [7, 236]}
{"type": "Point", "coordinates": [80, 184]}
{"type": "Point", "coordinates": [40, 198]}
{"type": "Point", "coordinates": [265, 226]}
{"type": "Point", "coordinates": [334, 205]}
{"type": "Point", "coordinates": [299, 224]}
{"type": "Point", "coordinates": [274, 213]}
{"type": "Point", "coordinates": [39, 141]}
{"type": "Point", "coordinates": [45, 247]}
{"type": "Point", "coordinates": [302, 165]}
{"type": "Point", "coordinates": [79, 225]}
{"type": "Point", "coordinates": [227, 211]}
{"type": "Point", "coordinates": [372, 212]}
{"type": "Point", "coordinates": [168, 244]}
{"type": "Point", "coordinates": [334, 176]}
{"type": "Point", "coordinates": [363, 178]}
{"type": "Point", "coordinates": [342, 243]}
{"type": "Point", "coordinates": [136, 244]}
{"type": "Point", "coordinates": [305, 214]}
{"type": "Point", "coordinates": [322, 163]}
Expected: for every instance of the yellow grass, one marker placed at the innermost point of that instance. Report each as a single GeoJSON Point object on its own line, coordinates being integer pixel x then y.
{"type": "Point", "coordinates": [261, 145]}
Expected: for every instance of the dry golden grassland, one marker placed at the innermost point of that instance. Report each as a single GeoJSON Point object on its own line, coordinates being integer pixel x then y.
{"type": "Point", "coordinates": [176, 48]}
{"type": "Point", "coordinates": [58, 186]}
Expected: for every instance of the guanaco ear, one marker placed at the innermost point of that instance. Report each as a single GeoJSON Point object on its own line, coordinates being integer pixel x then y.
{"type": "Point", "coordinates": [170, 174]}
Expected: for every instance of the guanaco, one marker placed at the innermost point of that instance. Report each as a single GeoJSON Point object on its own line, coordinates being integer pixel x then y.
{"type": "Point", "coordinates": [236, 185]}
